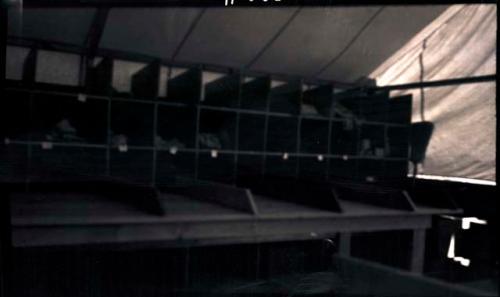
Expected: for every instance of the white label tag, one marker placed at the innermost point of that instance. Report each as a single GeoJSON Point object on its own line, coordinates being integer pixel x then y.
{"type": "Point", "coordinates": [370, 179]}
{"type": "Point", "coordinates": [379, 152]}
{"type": "Point", "coordinates": [82, 97]}
{"type": "Point", "coordinates": [366, 143]}
{"type": "Point", "coordinates": [47, 145]}
{"type": "Point", "coordinates": [122, 148]}
{"type": "Point", "coordinates": [349, 124]}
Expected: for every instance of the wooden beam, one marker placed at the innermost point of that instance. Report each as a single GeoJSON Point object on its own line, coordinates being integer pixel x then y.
{"type": "Point", "coordinates": [418, 251]}
{"type": "Point", "coordinates": [92, 41]}
{"type": "Point", "coordinates": [345, 244]}
{"type": "Point", "coordinates": [197, 231]}
{"type": "Point", "coordinates": [5, 244]}
{"type": "Point", "coordinates": [95, 31]}
{"type": "Point", "coordinates": [144, 58]}
{"type": "Point", "coordinates": [442, 83]}
{"type": "Point", "coordinates": [5, 224]}
{"type": "Point", "coordinates": [221, 3]}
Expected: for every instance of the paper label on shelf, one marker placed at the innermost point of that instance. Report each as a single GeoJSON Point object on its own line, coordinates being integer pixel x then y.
{"type": "Point", "coordinates": [277, 83]}
{"type": "Point", "coordinates": [320, 158]}
{"type": "Point", "coordinates": [214, 153]}
{"type": "Point", "coordinates": [349, 124]}
{"type": "Point", "coordinates": [122, 148]}
{"type": "Point", "coordinates": [366, 143]}
{"type": "Point", "coordinates": [379, 152]}
{"type": "Point", "coordinates": [46, 145]}
{"type": "Point", "coordinates": [82, 97]}
{"type": "Point", "coordinates": [248, 79]}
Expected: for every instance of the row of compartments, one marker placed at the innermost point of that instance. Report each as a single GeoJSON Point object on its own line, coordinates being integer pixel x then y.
{"type": "Point", "coordinates": [111, 77]}
{"type": "Point", "coordinates": [180, 168]}
{"type": "Point", "coordinates": [54, 118]}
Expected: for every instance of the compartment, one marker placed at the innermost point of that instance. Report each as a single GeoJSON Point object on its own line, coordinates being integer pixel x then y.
{"type": "Point", "coordinates": [217, 129]}
{"type": "Point", "coordinates": [312, 168]}
{"type": "Point", "coordinates": [400, 109]}
{"type": "Point", "coordinates": [99, 76]}
{"type": "Point", "coordinates": [66, 119]}
{"type": "Point", "coordinates": [375, 107]}
{"type": "Point", "coordinates": [184, 85]}
{"type": "Point", "coordinates": [57, 68]}
{"type": "Point", "coordinates": [254, 93]}
{"type": "Point", "coordinates": [340, 168]}
{"type": "Point", "coordinates": [176, 127]}
{"type": "Point", "coordinates": [218, 169]}
{"type": "Point", "coordinates": [224, 91]}
{"type": "Point", "coordinates": [285, 97]}
{"type": "Point", "coordinates": [175, 169]}
{"type": "Point", "coordinates": [278, 166]}
{"type": "Point", "coordinates": [145, 82]}
{"type": "Point", "coordinates": [132, 165]}
{"type": "Point", "coordinates": [67, 161]}
{"type": "Point", "coordinates": [370, 170]}
{"type": "Point", "coordinates": [14, 162]}
{"type": "Point", "coordinates": [18, 62]}
{"type": "Point", "coordinates": [249, 169]}
{"type": "Point", "coordinates": [123, 72]}
{"type": "Point", "coordinates": [317, 101]}
{"type": "Point", "coordinates": [344, 137]}
{"type": "Point", "coordinates": [282, 134]}
{"type": "Point", "coordinates": [398, 138]}
{"type": "Point", "coordinates": [131, 123]}
{"type": "Point", "coordinates": [347, 104]}
{"type": "Point", "coordinates": [251, 132]}
{"type": "Point", "coordinates": [372, 141]}
{"type": "Point", "coordinates": [395, 169]}
{"type": "Point", "coordinates": [314, 136]}
{"type": "Point", "coordinates": [15, 115]}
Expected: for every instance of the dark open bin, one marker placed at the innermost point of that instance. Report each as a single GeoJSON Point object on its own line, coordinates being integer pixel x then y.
{"type": "Point", "coordinates": [134, 120]}
{"type": "Point", "coordinates": [217, 129]}
{"type": "Point", "coordinates": [66, 119]}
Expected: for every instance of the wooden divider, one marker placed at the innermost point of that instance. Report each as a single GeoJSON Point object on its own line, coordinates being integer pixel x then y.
{"type": "Point", "coordinates": [374, 194]}
{"type": "Point", "coordinates": [225, 195]}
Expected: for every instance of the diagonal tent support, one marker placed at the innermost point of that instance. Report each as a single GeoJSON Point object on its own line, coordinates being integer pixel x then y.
{"type": "Point", "coordinates": [92, 40]}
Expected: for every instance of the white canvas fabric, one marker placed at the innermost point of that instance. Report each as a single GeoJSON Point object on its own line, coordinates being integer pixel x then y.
{"type": "Point", "coordinates": [460, 43]}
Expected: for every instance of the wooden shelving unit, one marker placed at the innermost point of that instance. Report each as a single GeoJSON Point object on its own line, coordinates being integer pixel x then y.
{"type": "Point", "coordinates": [226, 158]}
{"type": "Point", "coordinates": [209, 129]}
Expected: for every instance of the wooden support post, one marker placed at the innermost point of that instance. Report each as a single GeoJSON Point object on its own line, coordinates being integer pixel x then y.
{"type": "Point", "coordinates": [345, 244]}
{"type": "Point", "coordinates": [5, 244]}
{"type": "Point", "coordinates": [418, 251]}
{"type": "Point", "coordinates": [186, 268]}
